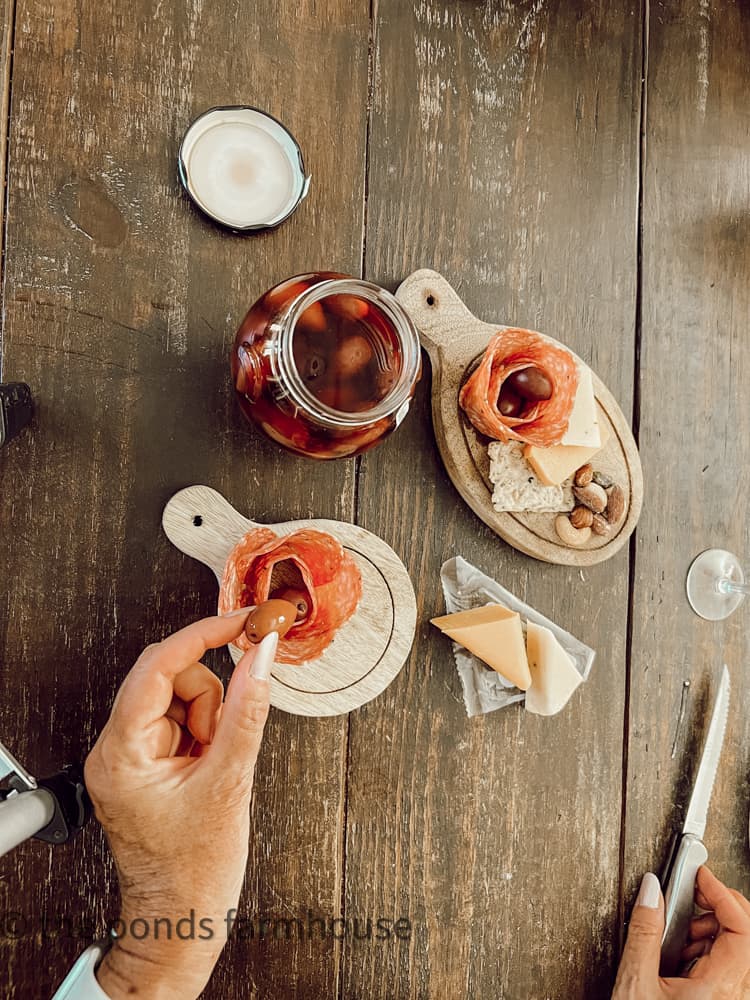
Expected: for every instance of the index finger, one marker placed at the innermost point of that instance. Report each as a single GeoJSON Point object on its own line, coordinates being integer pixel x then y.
{"type": "Point", "coordinates": [146, 693]}
{"type": "Point", "coordinates": [712, 894]}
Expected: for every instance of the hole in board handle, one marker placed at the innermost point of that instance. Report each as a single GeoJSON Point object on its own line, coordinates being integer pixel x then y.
{"type": "Point", "coordinates": [197, 520]}
{"type": "Point", "coordinates": [430, 299]}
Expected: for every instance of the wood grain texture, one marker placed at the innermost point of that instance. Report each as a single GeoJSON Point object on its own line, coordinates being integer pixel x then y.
{"type": "Point", "coordinates": [504, 155]}
{"type": "Point", "coordinates": [454, 339]}
{"type": "Point", "coordinates": [504, 144]}
{"type": "Point", "coordinates": [694, 424]}
{"type": "Point", "coordinates": [368, 650]}
{"type": "Point", "coordinates": [7, 19]}
{"type": "Point", "coordinates": [121, 306]}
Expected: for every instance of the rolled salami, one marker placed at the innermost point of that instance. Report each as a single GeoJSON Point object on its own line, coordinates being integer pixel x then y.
{"type": "Point", "coordinates": [542, 422]}
{"type": "Point", "coordinates": [329, 574]}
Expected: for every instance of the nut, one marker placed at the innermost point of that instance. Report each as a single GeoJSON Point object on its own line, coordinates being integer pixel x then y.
{"type": "Point", "coordinates": [584, 475]}
{"type": "Point", "coordinates": [603, 480]}
{"type": "Point", "coordinates": [600, 525]}
{"type": "Point", "coordinates": [615, 504]}
{"type": "Point", "coordinates": [581, 517]}
{"type": "Point", "coordinates": [591, 496]}
{"type": "Point", "coordinates": [568, 533]}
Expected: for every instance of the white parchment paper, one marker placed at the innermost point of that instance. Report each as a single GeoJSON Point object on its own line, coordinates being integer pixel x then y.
{"type": "Point", "coordinates": [466, 587]}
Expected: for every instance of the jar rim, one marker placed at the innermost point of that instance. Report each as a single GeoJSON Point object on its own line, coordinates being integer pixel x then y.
{"type": "Point", "coordinates": [403, 326]}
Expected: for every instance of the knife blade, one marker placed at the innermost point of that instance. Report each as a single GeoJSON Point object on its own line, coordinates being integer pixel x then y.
{"type": "Point", "coordinates": [695, 819]}
{"type": "Point", "coordinates": [679, 894]}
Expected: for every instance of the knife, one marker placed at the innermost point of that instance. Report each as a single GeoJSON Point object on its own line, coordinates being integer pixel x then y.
{"type": "Point", "coordinates": [689, 852]}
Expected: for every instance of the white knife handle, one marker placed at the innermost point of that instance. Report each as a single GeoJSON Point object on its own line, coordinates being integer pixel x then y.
{"type": "Point", "coordinates": [23, 816]}
{"type": "Point", "coordinates": [679, 901]}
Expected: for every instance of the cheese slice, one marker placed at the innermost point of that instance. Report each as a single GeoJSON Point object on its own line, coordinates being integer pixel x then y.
{"type": "Point", "coordinates": [583, 426]}
{"type": "Point", "coordinates": [552, 466]}
{"type": "Point", "coordinates": [554, 676]}
{"type": "Point", "coordinates": [475, 616]}
{"type": "Point", "coordinates": [494, 634]}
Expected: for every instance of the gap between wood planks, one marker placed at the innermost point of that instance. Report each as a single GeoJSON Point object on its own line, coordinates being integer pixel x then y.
{"type": "Point", "coordinates": [357, 471]}
{"type": "Point", "coordinates": [643, 117]}
{"type": "Point", "coordinates": [6, 81]}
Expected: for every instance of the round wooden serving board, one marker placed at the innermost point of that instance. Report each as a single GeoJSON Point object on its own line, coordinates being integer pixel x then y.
{"type": "Point", "coordinates": [455, 340]}
{"type": "Point", "coordinates": [367, 651]}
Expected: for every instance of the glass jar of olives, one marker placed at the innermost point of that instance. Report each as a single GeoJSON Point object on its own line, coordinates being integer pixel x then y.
{"type": "Point", "coordinates": [326, 364]}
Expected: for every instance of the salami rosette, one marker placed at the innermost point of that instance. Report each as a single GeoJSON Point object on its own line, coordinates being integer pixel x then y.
{"type": "Point", "coordinates": [329, 575]}
{"type": "Point", "coordinates": [542, 422]}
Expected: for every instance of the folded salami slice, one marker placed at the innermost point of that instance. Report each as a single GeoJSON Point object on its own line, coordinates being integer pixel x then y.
{"type": "Point", "coordinates": [329, 573]}
{"type": "Point", "coordinates": [510, 350]}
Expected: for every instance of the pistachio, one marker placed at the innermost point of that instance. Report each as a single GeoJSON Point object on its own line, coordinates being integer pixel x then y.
{"type": "Point", "coordinates": [603, 480]}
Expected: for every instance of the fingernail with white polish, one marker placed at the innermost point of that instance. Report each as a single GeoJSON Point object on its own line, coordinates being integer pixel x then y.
{"type": "Point", "coordinates": [238, 612]}
{"type": "Point", "coordinates": [263, 660]}
{"type": "Point", "coordinates": [649, 894]}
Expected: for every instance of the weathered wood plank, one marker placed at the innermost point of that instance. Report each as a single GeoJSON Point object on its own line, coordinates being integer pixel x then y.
{"type": "Point", "coordinates": [504, 153]}
{"type": "Point", "coordinates": [694, 429]}
{"type": "Point", "coordinates": [7, 15]}
{"type": "Point", "coordinates": [121, 306]}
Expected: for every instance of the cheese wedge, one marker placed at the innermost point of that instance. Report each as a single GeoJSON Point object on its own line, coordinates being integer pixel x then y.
{"type": "Point", "coordinates": [583, 426]}
{"type": "Point", "coordinates": [552, 466]}
{"type": "Point", "coordinates": [554, 676]}
{"type": "Point", "coordinates": [494, 634]}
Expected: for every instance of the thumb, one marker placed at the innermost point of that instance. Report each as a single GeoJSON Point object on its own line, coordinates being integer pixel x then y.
{"type": "Point", "coordinates": [239, 732]}
{"type": "Point", "coordinates": [639, 966]}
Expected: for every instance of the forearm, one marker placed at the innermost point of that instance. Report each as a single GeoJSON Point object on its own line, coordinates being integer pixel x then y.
{"type": "Point", "coordinates": [127, 975]}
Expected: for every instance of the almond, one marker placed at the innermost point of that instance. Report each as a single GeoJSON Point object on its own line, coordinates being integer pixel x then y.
{"type": "Point", "coordinates": [584, 475]}
{"type": "Point", "coordinates": [600, 525]}
{"type": "Point", "coordinates": [615, 504]}
{"type": "Point", "coordinates": [591, 496]}
{"type": "Point", "coordinates": [581, 517]}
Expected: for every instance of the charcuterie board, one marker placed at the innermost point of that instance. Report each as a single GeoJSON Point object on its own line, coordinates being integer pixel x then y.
{"type": "Point", "coordinates": [367, 652]}
{"type": "Point", "coordinates": [455, 340]}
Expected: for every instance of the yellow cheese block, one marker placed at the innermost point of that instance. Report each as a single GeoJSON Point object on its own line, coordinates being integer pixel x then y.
{"type": "Point", "coordinates": [552, 466]}
{"type": "Point", "coordinates": [554, 675]}
{"type": "Point", "coordinates": [476, 616]}
{"type": "Point", "coordinates": [494, 634]}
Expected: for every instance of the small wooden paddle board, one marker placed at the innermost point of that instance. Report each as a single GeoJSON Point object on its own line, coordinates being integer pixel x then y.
{"type": "Point", "coordinates": [367, 652]}
{"type": "Point", "coordinates": [455, 340]}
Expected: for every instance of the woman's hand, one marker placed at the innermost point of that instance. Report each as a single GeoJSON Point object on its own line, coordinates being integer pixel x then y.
{"type": "Point", "coordinates": [171, 777]}
{"type": "Point", "coordinates": [719, 945]}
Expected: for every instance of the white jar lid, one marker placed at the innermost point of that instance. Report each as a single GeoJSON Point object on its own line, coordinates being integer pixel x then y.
{"type": "Point", "coordinates": [242, 168]}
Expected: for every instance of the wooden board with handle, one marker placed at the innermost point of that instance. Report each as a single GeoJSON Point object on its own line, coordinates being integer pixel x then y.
{"type": "Point", "coordinates": [367, 651]}
{"type": "Point", "coordinates": [455, 340]}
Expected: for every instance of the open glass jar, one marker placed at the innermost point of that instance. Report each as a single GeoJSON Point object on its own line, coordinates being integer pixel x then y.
{"type": "Point", "coordinates": [326, 364]}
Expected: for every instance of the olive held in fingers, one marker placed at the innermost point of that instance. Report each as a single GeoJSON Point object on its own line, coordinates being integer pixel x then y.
{"type": "Point", "coordinates": [270, 616]}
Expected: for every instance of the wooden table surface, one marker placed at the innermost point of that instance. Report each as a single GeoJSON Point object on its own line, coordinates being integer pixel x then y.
{"type": "Point", "coordinates": [581, 168]}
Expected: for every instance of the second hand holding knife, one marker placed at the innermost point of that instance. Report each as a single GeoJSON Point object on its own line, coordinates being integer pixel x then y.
{"type": "Point", "coordinates": [689, 852]}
